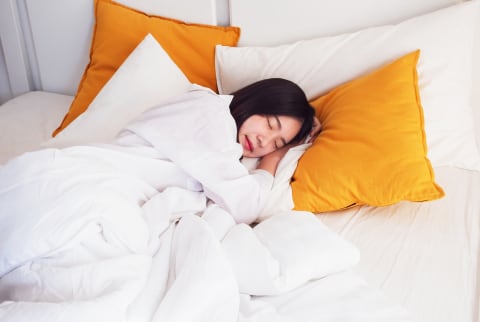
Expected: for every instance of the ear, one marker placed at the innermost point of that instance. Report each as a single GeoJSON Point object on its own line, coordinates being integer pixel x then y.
{"type": "Point", "coordinates": [316, 128]}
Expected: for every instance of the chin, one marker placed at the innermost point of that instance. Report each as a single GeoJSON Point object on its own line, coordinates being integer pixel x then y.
{"type": "Point", "coordinates": [248, 154]}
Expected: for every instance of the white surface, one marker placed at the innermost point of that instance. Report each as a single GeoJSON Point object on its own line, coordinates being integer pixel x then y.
{"type": "Point", "coordinates": [203, 11]}
{"type": "Point", "coordinates": [91, 235]}
{"type": "Point", "coordinates": [422, 245]}
{"type": "Point", "coordinates": [11, 41]}
{"type": "Point", "coordinates": [156, 77]}
{"type": "Point", "coordinates": [423, 255]}
{"type": "Point", "coordinates": [61, 34]}
{"type": "Point", "coordinates": [281, 21]}
{"type": "Point", "coordinates": [338, 297]}
{"type": "Point", "coordinates": [28, 120]}
{"type": "Point", "coordinates": [204, 116]}
{"type": "Point", "coordinates": [446, 40]}
{"type": "Point", "coordinates": [380, 265]}
{"type": "Point", "coordinates": [476, 83]}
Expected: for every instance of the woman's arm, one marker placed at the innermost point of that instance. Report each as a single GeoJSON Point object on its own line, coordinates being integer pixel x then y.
{"type": "Point", "coordinates": [270, 161]}
{"type": "Point", "coordinates": [198, 135]}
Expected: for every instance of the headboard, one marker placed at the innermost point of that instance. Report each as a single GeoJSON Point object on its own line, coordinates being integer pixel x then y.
{"type": "Point", "coordinates": [38, 37]}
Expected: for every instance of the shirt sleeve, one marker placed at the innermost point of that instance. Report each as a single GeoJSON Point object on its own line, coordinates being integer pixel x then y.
{"type": "Point", "coordinates": [230, 185]}
{"type": "Point", "coordinates": [198, 134]}
{"type": "Point", "coordinates": [246, 199]}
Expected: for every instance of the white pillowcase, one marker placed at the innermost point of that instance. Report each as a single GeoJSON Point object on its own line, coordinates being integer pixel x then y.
{"type": "Point", "coordinates": [147, 77]}
{"type": "Point", "coordinates": [446, 39]}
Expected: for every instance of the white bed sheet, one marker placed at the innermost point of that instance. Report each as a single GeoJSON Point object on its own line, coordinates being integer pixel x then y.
{"type": "Point", "coordinates": [111, 219]}
{"type": "Point", "coordinates": [423, 255]}
{"type": "Point", "coordinates": [28, 120]}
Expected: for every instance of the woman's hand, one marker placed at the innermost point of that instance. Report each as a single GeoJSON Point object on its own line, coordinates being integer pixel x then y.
{"type": "Point", "coordinates": [270, 161]}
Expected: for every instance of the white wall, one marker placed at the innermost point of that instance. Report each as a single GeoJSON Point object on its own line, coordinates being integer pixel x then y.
{"type": "Point", "coordinates": [5, 91]}
{"type": "Point", "coordinates": [14, 78]}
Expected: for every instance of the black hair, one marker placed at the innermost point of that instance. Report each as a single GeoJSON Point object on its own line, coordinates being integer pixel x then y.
{"type": "Point", "coordinates": [273, 96]}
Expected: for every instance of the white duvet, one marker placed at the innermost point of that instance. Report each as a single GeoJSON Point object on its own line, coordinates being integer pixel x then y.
{"type": "Point", "coordinates": [110, 233]}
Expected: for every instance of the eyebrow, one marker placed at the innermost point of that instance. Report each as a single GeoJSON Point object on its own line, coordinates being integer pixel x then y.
{"type": "Point", "coordinates": [278, 122]}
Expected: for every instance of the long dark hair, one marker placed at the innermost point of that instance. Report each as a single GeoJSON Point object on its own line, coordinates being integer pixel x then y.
{"type": "Point", "coordinates": [273, 96]}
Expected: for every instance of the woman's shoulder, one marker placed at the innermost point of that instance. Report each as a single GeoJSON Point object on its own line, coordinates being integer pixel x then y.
{"type": "Point", "coordinates": [196, 101]}
{"type": "Point", "coordinates": [204, 105]}
{"type": "Point", "coordinates": [196, 90]}
{"type": "Point", "coordinates": [199, 110]}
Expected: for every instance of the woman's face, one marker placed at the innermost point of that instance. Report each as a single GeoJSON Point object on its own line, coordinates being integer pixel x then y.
{"type": "Point", "coordinates": [262, 134]}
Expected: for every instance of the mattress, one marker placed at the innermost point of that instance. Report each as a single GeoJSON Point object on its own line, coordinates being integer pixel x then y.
{"type": "Point", "coordinates": [422, 255]}
{"type": "Point", "coordinates": [35, 115]}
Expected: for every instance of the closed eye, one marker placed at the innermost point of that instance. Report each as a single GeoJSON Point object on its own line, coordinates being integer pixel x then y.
{"type": "Point", "coordinates": [276, 125]}
{"type": "Point", "coordinates": [283, 142]}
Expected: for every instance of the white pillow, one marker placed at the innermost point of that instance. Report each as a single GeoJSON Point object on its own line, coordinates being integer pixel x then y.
{"type": "Point", "coordinates": [147, 77]}
{"type": "Point", "coordinates": [446, 40]}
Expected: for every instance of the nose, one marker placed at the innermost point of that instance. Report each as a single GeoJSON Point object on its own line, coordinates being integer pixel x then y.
{"type": "Point", "coordinates": [266, 140]}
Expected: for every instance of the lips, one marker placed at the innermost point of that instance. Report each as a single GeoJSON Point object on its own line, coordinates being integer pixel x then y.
{"type": "Point", "coordinates": [248, 144]}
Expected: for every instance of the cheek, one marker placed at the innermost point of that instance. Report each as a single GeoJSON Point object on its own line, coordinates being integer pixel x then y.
{"type": "Point", "coordinates": [260, 152]}
{"type": "Point", "coordinates": [241, 131]}
{"type": "Point", "coordinates": [253, 124]}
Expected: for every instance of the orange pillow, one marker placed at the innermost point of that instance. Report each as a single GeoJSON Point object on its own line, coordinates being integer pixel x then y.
{"type": "Point", "coordinates": [372, 147]}
{"type": "Point", "coordinates": [119, 29]}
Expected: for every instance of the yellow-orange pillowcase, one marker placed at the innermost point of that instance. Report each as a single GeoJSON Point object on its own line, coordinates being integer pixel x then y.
{"type": "Point", "coordinates": [119, 29]}
{"type": "Point", "coordinates": [372, 149]}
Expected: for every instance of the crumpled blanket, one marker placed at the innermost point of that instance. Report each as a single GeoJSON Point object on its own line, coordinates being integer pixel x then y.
{"type": "Point", "coordinates": [98, 234]}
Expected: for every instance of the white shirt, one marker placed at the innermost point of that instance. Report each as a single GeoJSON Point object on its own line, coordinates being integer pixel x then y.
{"type": "Point", "coordinates": [198, 134]}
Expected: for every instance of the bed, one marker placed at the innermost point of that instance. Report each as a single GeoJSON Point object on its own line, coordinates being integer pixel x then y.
{"type": "Point", "coordinates": [370, 237]}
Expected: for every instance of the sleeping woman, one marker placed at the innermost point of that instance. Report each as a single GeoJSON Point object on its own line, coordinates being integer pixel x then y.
{"type": "Point", "coordinates": [97, 208]}
{"type": "Point", "coordinates": [206, 135]}
{"type": "Point", "coordinates": [193, 143]}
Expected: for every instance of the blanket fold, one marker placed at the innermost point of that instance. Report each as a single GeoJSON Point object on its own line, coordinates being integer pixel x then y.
{"type": "Point", "coordinates": [117, 233]}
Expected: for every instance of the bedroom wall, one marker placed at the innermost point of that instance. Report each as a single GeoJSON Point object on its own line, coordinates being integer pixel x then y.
{"type": "Point", "coordinates": [5, 92]}
{"type": "Point", "coordinates": [13, 70]}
